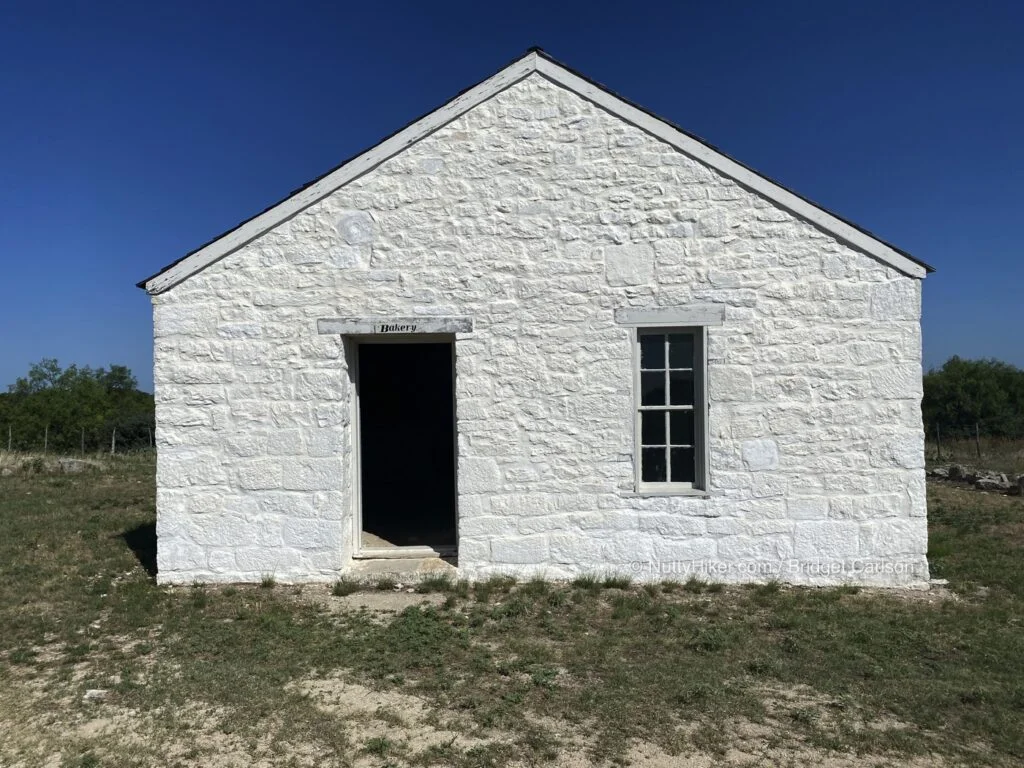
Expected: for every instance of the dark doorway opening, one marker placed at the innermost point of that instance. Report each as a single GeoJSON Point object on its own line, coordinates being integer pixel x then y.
{"type": "Point", "coordinates": [407, 444]}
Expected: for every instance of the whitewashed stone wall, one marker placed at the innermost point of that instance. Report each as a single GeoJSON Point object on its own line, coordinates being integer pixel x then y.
{"type": "Point", "coordinates": [538, 214]}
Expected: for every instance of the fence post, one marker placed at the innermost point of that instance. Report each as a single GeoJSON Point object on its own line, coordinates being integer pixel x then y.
{"type": "Point", "coordinates": [977, 439]}
{"type": "Point", "coordinates": [150, 431]}
{"type": "Point", "coordinates": [46, 439]}
{"type": "Point", "coordinates": [113, 441]}
{"type": "Point", "coordinates": [83, 441]}
{"type": "Point", "coordinates": [938, 443]}
{"type": "Point", "coordinates": [8, 438]}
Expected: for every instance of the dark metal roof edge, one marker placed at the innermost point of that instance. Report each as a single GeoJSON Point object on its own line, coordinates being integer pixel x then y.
{"type": "Point", "coordinates": [540, 52]}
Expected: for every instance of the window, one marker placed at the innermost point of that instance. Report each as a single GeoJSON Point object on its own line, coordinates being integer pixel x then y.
{"type": "Point", "coordinates": [670, 409]}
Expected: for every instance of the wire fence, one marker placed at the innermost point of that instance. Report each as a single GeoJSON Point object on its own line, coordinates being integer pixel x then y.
{"type": "Point", "coordinates": [987, 446]}
{"type": "Point", "coordinates": [65, 440]}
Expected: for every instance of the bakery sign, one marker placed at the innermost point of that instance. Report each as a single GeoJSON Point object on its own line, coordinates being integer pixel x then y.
{"type": "Point", "coordinates": [396, 328]}
{"type": "Point", "coordinates": [390, 326]}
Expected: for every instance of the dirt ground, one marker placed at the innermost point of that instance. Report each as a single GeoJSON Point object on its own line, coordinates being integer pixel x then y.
{"type": "Point", "coordinates": [399, 727]}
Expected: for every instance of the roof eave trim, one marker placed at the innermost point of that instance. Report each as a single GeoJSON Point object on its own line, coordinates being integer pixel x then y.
{"type": "Point", "coordinates": [533, 61]}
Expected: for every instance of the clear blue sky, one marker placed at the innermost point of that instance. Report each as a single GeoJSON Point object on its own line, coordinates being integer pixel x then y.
{"type": "Point", "coordinates": [132, 132]}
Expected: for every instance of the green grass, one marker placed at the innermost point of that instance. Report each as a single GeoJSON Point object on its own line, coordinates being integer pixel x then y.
{"type": "Point", "coordinates": [674, 665]}
{"type": "Point", "coordinates": [268, 581]}
{"type": "Point", "coordinates": [436, 583]}
{"type": "Point", "coordinates": [616, 582]}
{"type": "Point", "coordinates": [343, 587]}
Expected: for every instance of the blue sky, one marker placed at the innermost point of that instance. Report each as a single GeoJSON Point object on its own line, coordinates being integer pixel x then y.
{"type": "Point", "coordinates": [133, 132]}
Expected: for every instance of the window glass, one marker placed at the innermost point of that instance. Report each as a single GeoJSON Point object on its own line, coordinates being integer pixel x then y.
{"type": "Point", "coordinates": [652, 428]}
{"type": "Point", "coordinates": [681, 427]}
{"type": "Point", "coordinates": [652, 352]}
{"type": "Point", "coordinates": [680, 350]}
{"type": "Point", "coordinates": [680, 387]}
{"type": "Point", "coordinates": [652, 387]}
{"type": "Point", "coordinates": [683, 468]}
{"type": "Point", "coordinates": [653, 462]}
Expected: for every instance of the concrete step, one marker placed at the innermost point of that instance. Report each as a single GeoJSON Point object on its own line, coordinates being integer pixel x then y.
{"type": "Point", "coordinates": [404, 568]}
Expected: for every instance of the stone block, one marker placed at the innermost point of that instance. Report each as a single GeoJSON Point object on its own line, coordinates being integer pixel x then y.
{"type": "Point", "coordinates": [320, 385]}
{"type": "Point", "coordinates": [220, 530]}
{"type": "Point", "coordinates": [258, 475]}
{"type": "Point", "coordinates": [284, 442]}
{"type": "Point", "coordinates": [245, 445]}
{"type": "Point", "coordinates": [355, 227]}
{"type": "Point", "coordinates": [516, 550]}
{"type": "Point", "coordinates": [184, 319]}
{"type": "Point", "coordinates": [189, 468]}
{"type": "Point", "coordinates": [487, 526]}
{"type": "Point", "coordinates": [311, 534]}
{"type": "Point", "coordinates": [760, 454]}
{"type": "Point", "coordinates": [826, 540]}
{"type": "Point", "coordinates": [683, 550]}
{"type": "Point", "coordinates": [575, 548]}
{"type": "Point", "coordinates": [222, 561]}
{"type": "Point", "coordinates": [285, 504]}
{"type": "Point", "coordinates": [673, 525]}
{"type": "Point", "coordinates": [902, 382]}
{"type": "Point", "coordinates": [807, 508]}
{"type": "Point", "coordinates": [173, 554]}
{"type": "Point", "coordinates": [904, 450]}
{"type": "Point", "coordinates": [899, 299]}
{"type": "Point", "coordinates": [730, 383]}
{"type": "Point", "coordinates": [630, 264]}
{"type": "Point", "coordinates": [882, 538]}
{"type": "Point", "coordinates": [325, 442]}
{"type": "Point", "coordinates": [478, 475]}
{"type": "Point", "coordinates": [754, 549]}
{"type": "Point", "coordinates": [311, 474]}
{"type": "Point", "coordinates": [259, 560]}
{"type": "Point", "coordinates": [867, 506]}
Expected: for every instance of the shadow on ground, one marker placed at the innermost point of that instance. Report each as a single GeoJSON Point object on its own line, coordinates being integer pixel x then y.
{"type": "Point", "coordinates": [141, 540]}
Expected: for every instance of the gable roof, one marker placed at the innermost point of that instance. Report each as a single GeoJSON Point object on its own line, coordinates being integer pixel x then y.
{"type": "Point", "coordinates": [534, 60]}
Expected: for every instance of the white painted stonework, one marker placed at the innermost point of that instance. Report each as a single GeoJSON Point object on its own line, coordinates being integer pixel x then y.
{"type": "Point", "coordinates": [537, 215]}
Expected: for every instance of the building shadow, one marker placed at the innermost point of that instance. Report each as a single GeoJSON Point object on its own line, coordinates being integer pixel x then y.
{"type": "Point", "coordinates": [141, 540]}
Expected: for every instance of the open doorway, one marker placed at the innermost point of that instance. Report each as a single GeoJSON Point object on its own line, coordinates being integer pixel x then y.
{"type": "Point", "coordinates": [407, 445]}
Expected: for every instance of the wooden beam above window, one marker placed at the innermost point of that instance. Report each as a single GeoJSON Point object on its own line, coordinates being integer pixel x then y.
{"type": "Point", "coordinates": [689, 315]}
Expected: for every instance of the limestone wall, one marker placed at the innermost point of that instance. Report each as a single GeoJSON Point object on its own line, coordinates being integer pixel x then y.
{"type": "Point", "coordinates": [538, 214]}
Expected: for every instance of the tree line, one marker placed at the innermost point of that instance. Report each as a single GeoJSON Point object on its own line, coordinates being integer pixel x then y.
{"type": "Point", "coordinates": [965, 395]}
{"type": "Point", "coordinates": [75, 408]}
{"type": "Point", "coordinates": [72, 409]}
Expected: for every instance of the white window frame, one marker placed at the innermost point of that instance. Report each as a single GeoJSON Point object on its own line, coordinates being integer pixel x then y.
{"type": "Point", "coordinates": [694, 319]}
{"type": "Point", "coordinates": [699, 484]}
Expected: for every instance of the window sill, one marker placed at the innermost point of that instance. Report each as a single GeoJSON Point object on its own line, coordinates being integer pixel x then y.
{"type": "Point", "coordinates": [692, 493]}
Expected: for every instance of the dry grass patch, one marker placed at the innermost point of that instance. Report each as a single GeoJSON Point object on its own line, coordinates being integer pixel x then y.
{"type": "Point", "coordinates": [498, 673]}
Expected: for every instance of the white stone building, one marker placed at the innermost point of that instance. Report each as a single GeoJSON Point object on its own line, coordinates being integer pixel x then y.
{"type": "Point", "coordinates": [547, 332]}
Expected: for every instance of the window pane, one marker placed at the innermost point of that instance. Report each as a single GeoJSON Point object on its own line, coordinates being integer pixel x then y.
{"type": "Point", "coordinates": [652, 427]}
{"type": "Point", "coordinates": [681, 387]}
{"type": "Point", "coordinates": [652, 351]}
{"type": "Point", "coordinates": [680, 350]}
{"type": "Point", "coordinates": [683, 467]}
{"type": "Point", "coordinates": [681, 427]}
{"type": "Point", "coordinates": [652, 388]}
{"type": "Point", "coordinates": [653, 465]}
